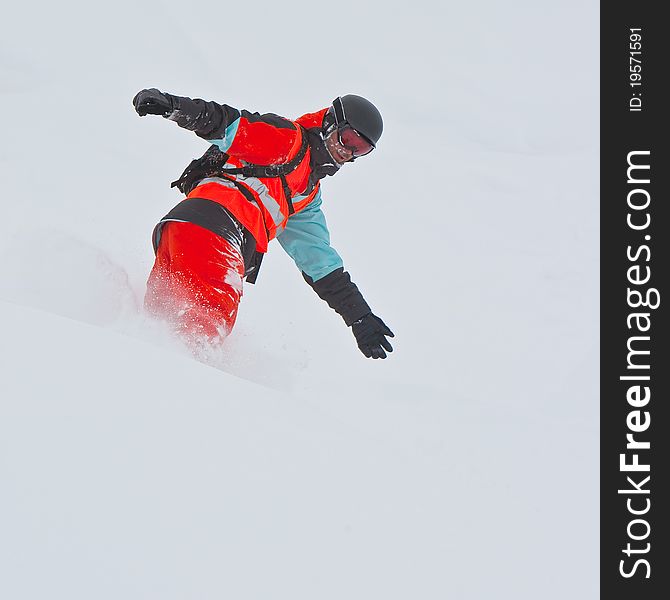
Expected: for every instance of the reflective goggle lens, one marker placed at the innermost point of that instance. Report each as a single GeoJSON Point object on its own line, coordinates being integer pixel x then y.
{"type": "Point", "coordinates": [355, 142]}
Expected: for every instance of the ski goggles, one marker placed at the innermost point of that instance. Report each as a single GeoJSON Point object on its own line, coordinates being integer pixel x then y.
{"type": "Point", "coordinates": [354, 141]}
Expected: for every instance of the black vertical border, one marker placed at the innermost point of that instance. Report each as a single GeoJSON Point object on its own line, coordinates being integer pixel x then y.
{"type": "Point", "coordinates": [623, 131]}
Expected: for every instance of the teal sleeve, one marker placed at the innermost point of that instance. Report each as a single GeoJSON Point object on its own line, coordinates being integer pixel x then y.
{"type": "Point", "coordinates": [307, 241]}
{"type": "Point", "coordinates": [229, 134]}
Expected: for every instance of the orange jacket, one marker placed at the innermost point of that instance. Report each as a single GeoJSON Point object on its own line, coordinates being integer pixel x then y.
{"type": "Point", "coordinates": [262, 140]}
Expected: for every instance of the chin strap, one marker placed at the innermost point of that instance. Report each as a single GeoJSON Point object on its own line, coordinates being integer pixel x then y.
{"type": "Point", "coordinates": [329, 123]}
{"type": "Point", "coordinates": [338, 110]}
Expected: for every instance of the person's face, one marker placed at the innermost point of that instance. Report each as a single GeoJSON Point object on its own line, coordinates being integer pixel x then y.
{"type": "Point", "coordinates": [340, 153]}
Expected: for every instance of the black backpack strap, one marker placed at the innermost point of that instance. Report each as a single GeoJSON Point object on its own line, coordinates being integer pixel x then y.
{"type": "Point", "coordinates": [212, 164]}
{"type": "Point", "coordinates": [287, 194]}
{"type": "Point", "coordinates": [251, 170]}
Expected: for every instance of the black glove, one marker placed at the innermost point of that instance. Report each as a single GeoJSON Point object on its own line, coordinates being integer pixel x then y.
{"type": "Point", "coordinates": [153, 102]}
{"type": "Point", "coordinates": [370, 333]}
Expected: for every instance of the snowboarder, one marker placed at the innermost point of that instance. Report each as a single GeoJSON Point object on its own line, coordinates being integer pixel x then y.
{"type": "Point", "coordinates": [259, 179]}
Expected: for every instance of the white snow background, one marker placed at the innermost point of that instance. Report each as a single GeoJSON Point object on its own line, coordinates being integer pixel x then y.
{"type": "Point", "coordinates": [463, 467]}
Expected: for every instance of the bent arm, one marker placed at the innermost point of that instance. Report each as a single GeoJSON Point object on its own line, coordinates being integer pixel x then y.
{"type": "Point", "coordinates": [260, 139]}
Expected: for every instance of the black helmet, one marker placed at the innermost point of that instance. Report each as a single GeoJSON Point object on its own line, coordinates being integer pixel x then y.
{"type": "Point", "coordinates": [361, 114]}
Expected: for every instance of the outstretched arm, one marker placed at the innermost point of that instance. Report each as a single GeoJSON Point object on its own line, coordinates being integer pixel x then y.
{"type": "Point", "coordinates": [307, 240]}
{"type": "Point", "coordinates": [206, 119]}
{"type": "Point", "coordinates": [261, 139]}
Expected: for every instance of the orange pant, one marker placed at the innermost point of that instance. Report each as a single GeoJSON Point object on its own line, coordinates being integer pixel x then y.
{"type": "Point", "coordinates": [196, 282]}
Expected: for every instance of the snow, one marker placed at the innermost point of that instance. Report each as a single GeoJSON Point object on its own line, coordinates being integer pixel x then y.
{"type": "Point", "coordinates": [286, 465]}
